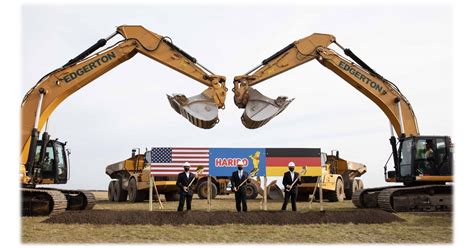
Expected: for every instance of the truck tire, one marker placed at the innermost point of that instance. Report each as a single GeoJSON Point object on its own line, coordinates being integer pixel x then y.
{"type": "Point", "coordinates": [338, 194]}
{"type": "Point", "coordinates": [251, 191]}
{"type": "Point", "coordinates": [120, 193]}
{"type": "Point", "coordinates": [202, 190]}
{"type": "Point", "coordinates": [111, 191]}
{"type": "Point", "coordinates": [353, 187]}
{"type": "Point", "coordinates": [172, 197]}
{"type": "Point", "coordinates": [135, 195]}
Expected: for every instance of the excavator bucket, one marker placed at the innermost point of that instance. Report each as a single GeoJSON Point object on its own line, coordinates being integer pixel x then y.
{"type": "Point", "coordinates": [274, 192]}
{"type": "Point", "coordinates": [199, 110]}
{"type": "Point", "coordinates": [261, 109]}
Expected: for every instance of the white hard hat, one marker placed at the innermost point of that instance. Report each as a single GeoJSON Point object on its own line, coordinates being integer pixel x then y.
{"type": "Point", "coordinates": [291, 164]}
{"type": "Point", "coordinates": [187, 164]}
{"type": "Point", "coordinates": [240, 163]}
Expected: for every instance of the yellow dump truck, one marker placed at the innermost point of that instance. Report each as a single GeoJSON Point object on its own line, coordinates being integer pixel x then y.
{"type": "Point", "coordinates": [130, 180]}
{"type": "Point", "coordinates": [339, 179]}
{"type": "Point", "coordinates": [130, 177]}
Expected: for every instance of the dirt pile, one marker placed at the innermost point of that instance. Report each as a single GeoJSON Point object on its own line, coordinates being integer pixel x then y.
{"type": "Point", "coordinates": [366, 216]}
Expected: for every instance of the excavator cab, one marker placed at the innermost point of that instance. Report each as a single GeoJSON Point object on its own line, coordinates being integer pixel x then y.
{"type": "Point", "coordinates": [423, 158]}
{"type": "Point", "coordinates": [53, 168]}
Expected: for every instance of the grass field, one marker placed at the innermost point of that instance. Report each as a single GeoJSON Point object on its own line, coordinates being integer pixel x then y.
{"type": "Point", "coordinates": [428, 228]}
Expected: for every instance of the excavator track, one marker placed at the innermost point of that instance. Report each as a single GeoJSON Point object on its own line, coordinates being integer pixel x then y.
{"type": "Point", "coordinates": [78, 199]}
{"type": "Point", "coordinates": [368, 197]}
{"type": "Point", "coordinates": [49, 201]}
{"type": "Point", "coordinates": [38, 202]}
{"type": "Point", "coordinates": [426, 198]}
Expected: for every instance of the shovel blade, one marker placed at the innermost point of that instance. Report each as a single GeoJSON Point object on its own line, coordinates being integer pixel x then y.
{"type": "Point", "coordinates": [261, 109]}
{"type": "Point", "coordinates": [200, 110]}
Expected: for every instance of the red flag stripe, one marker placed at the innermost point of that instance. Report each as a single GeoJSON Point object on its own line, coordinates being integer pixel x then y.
{"type": "Point", "coordinates": [175, 152]}
{"type": "Point", "coordinates": [299, 161]}
{"type": "Point", "coordinates": [190, 159]}
{"type": "Point", "coordinates": [181, 164]}
{"type": "Point", "coordinates": [190, 155]}
{"type": "Point", "coordinates": [190, 151]}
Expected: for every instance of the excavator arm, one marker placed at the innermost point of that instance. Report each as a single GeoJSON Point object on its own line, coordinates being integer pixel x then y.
{"type": "Point", "coordinates": [259, 109]}
{"type": "Point", "coordinates": [55, 87]}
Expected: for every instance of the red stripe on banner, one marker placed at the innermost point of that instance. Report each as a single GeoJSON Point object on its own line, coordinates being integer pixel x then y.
{"type": "Point", "coordinates": [172, 174]}
{"type": "Point", "coordinates": [190, 155]}
{"type": "Point", "coordinates": [184, 152]}
{"type": "Point", "coordinates": [190, 148]}
{"type": "Point", "coordinates": [299, 161]}
{"type": "Point", "coordinates": [194, 158]}
{"type": "Point", "coordinates": [180, 164]}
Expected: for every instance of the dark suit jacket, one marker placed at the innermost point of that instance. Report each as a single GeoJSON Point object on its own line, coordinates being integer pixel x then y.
{"type": "Point", "coordinates": [236, 181]}
{"type": "Point", "coordinates": [287, 180]}
{"type": "Point", "coordinates": [183, 181]}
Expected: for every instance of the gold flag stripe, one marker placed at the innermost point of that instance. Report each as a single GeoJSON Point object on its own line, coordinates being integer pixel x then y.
{"type": "Point", "coordinates": [279, 171]}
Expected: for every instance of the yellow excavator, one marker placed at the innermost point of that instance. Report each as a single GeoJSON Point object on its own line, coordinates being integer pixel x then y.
{"type": "Point", "coordinates": [424, 164]}
{"type": "Point", "coordinates": [45, 161]}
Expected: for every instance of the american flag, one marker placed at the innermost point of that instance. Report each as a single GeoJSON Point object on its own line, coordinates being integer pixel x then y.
{"type": "Point", "coordinates": [166, 161]}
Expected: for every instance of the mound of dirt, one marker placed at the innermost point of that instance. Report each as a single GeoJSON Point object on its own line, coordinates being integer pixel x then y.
{"type": "Point", "coordinates": [361, 216]}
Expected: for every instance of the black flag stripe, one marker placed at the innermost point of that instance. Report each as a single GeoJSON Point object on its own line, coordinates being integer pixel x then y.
{"type": "Point", "coordinates": [293, 152]}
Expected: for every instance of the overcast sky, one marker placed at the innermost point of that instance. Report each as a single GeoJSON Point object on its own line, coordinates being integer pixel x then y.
{"type": "Point", "coordinates": [411, 45]}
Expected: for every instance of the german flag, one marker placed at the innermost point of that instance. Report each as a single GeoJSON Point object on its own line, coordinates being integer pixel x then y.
{"type": "Point", "coordinates": [277, 160]}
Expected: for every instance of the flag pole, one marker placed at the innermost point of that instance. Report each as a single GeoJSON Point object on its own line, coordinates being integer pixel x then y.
{"type": "Point", "coordinates": [150, 196]}
{"type": "Point", "coordinates": [321, 195]}
{"type": "Point", "coordinates": [208, 193]}
{"type": "Point", "coordinates": [157, 193]}
{"type": "Point", "coordinates": [265, 192]}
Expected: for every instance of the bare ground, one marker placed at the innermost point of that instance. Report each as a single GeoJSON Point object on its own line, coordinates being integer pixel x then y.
{"type": "Point", "coordinates": [111, 217]}
{"type": "Point", "coordinates": [416, 228]}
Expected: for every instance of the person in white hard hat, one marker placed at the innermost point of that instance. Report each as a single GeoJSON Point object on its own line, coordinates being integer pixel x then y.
{"type": "Point", "coordinates": [240, 177]}
{"type": "Point", "coordinates": [185, 189]}
{"type": "Point", "coordinates": [290, 191]}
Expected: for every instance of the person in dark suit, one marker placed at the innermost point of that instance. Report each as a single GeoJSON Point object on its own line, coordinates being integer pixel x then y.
{"type": "Point", "coordinates": [288, 178]}
{"type": "Point", "coordinates": [185, 190]}
{"type": "Point", "coordinates": [237, 178]}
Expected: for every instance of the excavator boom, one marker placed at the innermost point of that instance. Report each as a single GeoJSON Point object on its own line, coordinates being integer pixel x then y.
{"type": "Point", "coordinates": [41, 100]}
{"type": "Point", "coordinates": [381, 91]}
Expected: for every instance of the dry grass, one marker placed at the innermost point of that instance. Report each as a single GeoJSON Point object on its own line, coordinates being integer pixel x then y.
{"type": "Point", "coordinates": [418, 228]}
